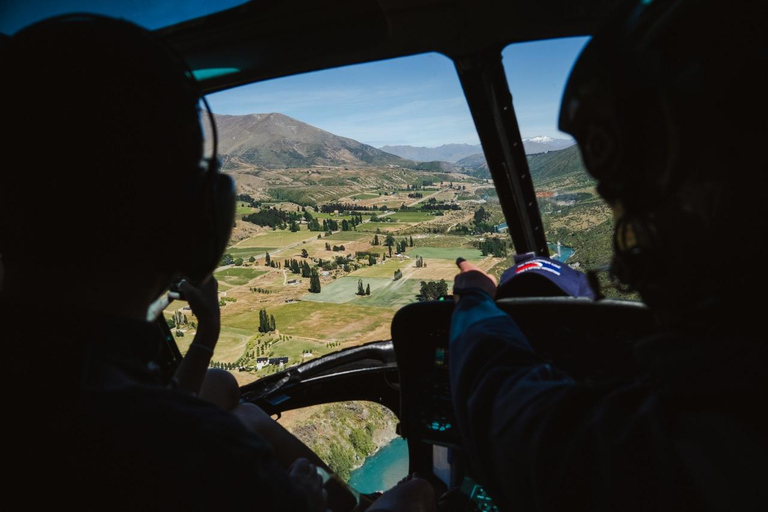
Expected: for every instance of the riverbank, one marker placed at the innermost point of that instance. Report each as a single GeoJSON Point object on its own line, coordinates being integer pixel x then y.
{"type": "Point", "coordinates": [344, 434]}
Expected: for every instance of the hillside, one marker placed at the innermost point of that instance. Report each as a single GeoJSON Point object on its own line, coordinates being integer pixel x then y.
{"type": "Point", "coordinates": [545, 167]}
{"type": "Point", "coordinates": [277, 141]}
{"type": "Point", "coordinates": [555, 165]}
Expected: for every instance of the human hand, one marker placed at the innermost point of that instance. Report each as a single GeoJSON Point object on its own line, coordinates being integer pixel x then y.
{"type": "Point", "coordinates": [472, 277]}
{"type": "Point", "coordinates": [204, 301]}
{"type": "Point", "coordinates": [305, 476]}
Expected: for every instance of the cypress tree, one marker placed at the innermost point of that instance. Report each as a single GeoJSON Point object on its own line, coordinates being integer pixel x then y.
{"type": "Point", "coordinates": [368, 289]}
{"type": "Point", "coordinates": [314, 282]}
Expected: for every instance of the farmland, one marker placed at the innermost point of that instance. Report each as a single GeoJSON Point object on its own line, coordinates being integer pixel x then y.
{"type": "Point", "coordinates": [310, 324]}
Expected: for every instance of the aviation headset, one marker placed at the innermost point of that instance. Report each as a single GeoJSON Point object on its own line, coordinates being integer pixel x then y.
{"type": "Point", "coordinates": [213, 201]}
{"type": "Point", "coordinates": [632, 103]}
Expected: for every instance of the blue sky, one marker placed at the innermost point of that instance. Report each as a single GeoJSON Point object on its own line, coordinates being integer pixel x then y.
{"type": "Point", "coordinates": [412, 100]}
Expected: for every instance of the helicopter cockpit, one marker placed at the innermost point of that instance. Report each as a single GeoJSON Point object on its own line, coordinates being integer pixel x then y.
{"type": "Point", "coordinates": [407, 371]}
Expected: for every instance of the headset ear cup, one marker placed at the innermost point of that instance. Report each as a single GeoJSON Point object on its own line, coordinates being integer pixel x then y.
{"type": "Point", "coordinates": [215, 213]}
{"type": "Point", "coordinates": [223, 206]}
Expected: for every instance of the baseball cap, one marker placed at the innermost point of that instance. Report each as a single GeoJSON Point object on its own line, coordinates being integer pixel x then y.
{"type": "Point", "coordinates": [536, 276]}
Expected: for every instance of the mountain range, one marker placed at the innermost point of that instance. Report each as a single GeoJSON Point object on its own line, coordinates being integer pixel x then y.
{"type": "Point", "coordinates": [456, 152]}
{"type": "Point", "coordinates": [277, 141]}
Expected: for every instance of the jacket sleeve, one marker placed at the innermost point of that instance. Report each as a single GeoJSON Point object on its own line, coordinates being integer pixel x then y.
{"type": "Point", "coordinates": [537, 440]}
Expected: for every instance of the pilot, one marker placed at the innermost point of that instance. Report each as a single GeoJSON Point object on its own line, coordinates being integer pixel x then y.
{"type": "Point", "coordinates": [102, 194]}
{"type": "Point", "coordinates": [660, 103]}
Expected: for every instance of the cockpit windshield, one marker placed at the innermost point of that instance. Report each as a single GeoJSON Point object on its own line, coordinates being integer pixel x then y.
{"type": "Point", "coordinates": [355, 199]}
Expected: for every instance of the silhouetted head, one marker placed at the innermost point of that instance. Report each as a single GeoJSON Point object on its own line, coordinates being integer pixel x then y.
{"type": "Point", "coordinates": [664, 102]}
{"type": "Point", "coordinates": [104, 149]}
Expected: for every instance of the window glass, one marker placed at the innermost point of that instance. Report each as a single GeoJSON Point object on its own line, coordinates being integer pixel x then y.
{"type": "Point", "coordinates": [356, 439]}
{"type": "Point", "coordinates": [357, 192]}
{"type": "Point", "coordinates": [577, 222]}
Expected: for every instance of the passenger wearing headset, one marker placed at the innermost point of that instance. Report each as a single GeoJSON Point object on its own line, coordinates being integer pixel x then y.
{"type": "Point", "coordinates": [655, 102]}
{"type": "Point", "coordinates": [104, 161]}
{"type": "Point", "coordinates": [105, 199]}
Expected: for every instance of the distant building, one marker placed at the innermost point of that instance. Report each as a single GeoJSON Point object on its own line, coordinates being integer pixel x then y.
{"type": "Point", "coordinates": [278, 360]}
{"type": "Point", "coordinates": [262, 360]}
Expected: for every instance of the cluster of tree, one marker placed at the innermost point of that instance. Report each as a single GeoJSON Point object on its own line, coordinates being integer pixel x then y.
{"type": "Point", "coordinates": [493, 246]}
{"type": "Point", "coordinates": [224, 300]}
{"type": "Point", "coordinates": [439, 206]}
{"type": "Point", "coordinates": [271, 217]}
{"type": "Point", "coordinates": [415, 195]}
{"type": "Point", "coordinates": [298, 267]}
{"type": "Point", "coordinates": [345, 207]}
{"type": "Point", "coordinates": [179, 334]}
{"type": "Point", "coordinates": [246, 198]}
{"type": "Point", "coordinates": [376, 218]}
{"type": "Point", "coordinates": [398, 274]}
{"type": "Point", "coordinates": [363, 290]}
{"type": "Point", "coordinates": [177, 319]}
{"type": "Point", "coordinates": [432, 290]}
{"type": "Point", "coordinates": [227, 259]}
{"type": "Point", "coordinates": [223, 366]}
{"type": "Point", "coordinates": [266, 322]}
{"type": "Point", "coordinates": [335, 248]}
{"type": "Point", "coordinates": [314, 281]}
{"type": "Point", "coordinates": [420, 262]}
{"type": "Point", "coordinates": [312, 223]}
{"type": "Point", "coordinates": [260, 290]}
{"type": "Point", "coordinates": [480, 221]}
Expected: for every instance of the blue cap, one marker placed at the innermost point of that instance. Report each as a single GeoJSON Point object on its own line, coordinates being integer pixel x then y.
{"type": "Point", "coordinates": [533, 276]}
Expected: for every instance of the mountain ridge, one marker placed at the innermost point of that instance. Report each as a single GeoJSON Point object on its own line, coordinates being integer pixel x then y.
{"type": "Point", "coordinates": [274, 140]}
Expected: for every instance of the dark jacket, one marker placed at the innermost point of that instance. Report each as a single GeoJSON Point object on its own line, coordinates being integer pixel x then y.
{"type": "Point", "coordinates": [93, 426]}
{"type": "Point", "coordinates": [689, 437]}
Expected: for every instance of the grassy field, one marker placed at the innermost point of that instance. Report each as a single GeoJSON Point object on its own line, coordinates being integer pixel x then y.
{"type": "Point", "coordinates": [279, 238]}
{"type": "Point", "coordinates": [440, 240]}
{"type": "Point", "coordinates": [243, 208]}
{"type": "Point", "coordinates": [247, 252]}
{"type": "Point", "coordinates": [324, 321]}
{"type": "Point", "coordinates": [371, 227]}
{"type": "Point", "coordinates": [348, 236]}
{"type": "Point", "coordinates": [395, 295]}
{"type": "Point", "coordinates": [365, 195]}
{"type": "Point", "coordinates": [412, 216]}
{"type": "Point", "coordinates": [446, 253]}
{"type": "Point", "coordinates": [386, 269]}
{"type": "Point", "coordinates": [343, 290]}
{"type": "Point", "coordinates": [238, 275]}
